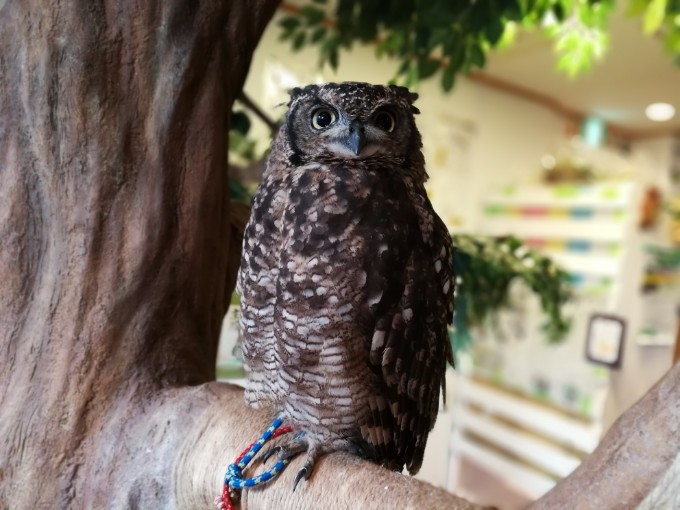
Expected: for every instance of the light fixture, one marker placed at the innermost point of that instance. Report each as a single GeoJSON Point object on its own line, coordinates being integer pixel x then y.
{"type": "Point", "coordinates": [660, 112]}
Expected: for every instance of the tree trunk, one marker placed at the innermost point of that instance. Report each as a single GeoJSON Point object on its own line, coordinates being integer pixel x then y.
{"type": "Point", "coordinates": [114, 224]}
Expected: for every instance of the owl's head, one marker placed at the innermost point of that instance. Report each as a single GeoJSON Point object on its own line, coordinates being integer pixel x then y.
{"type": "Point", "coordinates": [351, 120]}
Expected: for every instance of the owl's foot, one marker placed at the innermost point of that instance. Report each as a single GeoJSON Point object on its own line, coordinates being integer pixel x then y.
{"type": "Point", "coordinates": [293, 448]}
{"type": "Point", "coordinates": [285, 451]}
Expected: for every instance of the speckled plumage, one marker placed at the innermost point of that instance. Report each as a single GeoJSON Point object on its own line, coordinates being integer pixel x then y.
{"type": "Point", "coordinates": [346, 284]}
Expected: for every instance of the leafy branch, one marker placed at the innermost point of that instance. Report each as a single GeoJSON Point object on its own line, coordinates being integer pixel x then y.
{"type": "Point", "coordinates": [662, 18]}
{"type": "Point", "coordinates": [440, 38]}
{"type": "Point", "coordinates": [486, 267]}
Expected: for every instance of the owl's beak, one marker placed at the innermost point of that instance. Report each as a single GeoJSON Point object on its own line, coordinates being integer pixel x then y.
{"type": "Point", "coordinates": [356, 139]}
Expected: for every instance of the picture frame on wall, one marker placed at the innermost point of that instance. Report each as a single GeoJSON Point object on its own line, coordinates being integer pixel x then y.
{"type": "Point", "coordinates": [605, 338]}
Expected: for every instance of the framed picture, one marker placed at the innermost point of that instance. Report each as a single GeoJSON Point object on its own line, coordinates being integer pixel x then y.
{"type": "Point", "coordinates": [604, 343]}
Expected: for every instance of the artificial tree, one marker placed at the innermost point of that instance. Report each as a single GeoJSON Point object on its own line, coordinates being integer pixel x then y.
{"type": "Point", "coordinates": [115, 261]}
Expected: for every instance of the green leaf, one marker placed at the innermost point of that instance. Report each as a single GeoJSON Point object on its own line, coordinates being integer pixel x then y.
{"type": "Point", "coordinates": [286, 35]}
{"type": "Point", "coordinates": [312, 14]}
{"type": "Point", "coordinates": [559, 12]}
{"type": "Point", "coordinates": [653, 17]}
{"type": "Point", "coordinates": [636, 7]}
{"type": "Point", "coordinates": [299, 40]}
{"type": "Point", "coordinates": [412, 75]}
{"type": "Point", "coordinates": [403, 67]}
{"type": "Point", "coordinates": [319, 1]}
{"type": "Point", "coordinates": [329, 46]}
{"type": "Point", "coordinates": [672, 43]}
{"type": "Point", "coordinates": [421, 40]}
{"type": "Point", "coordinates": [318, 34]}
{"type": "Point", "coordinates": [457, 56]}
{"type": "Point", "coordinates": [513, 11]}
{"type": "Point", "coordinates": [448, 78]}
{"type": "Point", "coordinates": [240, 122]}
{"type": "Point", "coordinates": [494, 31]}
{"type": "Point", "coordinates": [290, 23]}
{"type": "Point", "coordinates": [477, 57]}
{"type": "Point", "coordinates": [480, 15]}
{"type": "Point", "coordinates": [427, 67]}
{"type": "Point", "coordinates": [392, 44]}
{"type": "Point", "coordinates": [509, 35]}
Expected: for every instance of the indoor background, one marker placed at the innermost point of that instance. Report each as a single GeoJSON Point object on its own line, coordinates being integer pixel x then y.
{"type": "Point", "coordinates": [575, 169]}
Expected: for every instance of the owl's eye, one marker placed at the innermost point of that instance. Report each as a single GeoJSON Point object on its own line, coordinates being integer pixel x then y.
{"type": "Point", "coordinates": [384, 121]}
{"type": "Point", "coordinates": [323, 117]}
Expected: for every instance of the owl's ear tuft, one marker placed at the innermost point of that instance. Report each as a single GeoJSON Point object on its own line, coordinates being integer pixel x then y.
{"type": "Point", "coordinates": [295, 93]}
{"type": "Point", "coordinates": [406, 95]}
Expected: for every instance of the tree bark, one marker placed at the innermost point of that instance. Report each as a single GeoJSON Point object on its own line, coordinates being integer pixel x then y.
{"type": "Point", "coordinates": [114, 227]}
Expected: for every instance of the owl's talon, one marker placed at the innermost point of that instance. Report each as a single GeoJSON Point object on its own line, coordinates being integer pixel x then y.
{"type": "Point", "coordinates": [285, 451]}
{"type": "Point", "coordinates": [303, 473]}
{"type": "Point", "coordinates": [269, 453]}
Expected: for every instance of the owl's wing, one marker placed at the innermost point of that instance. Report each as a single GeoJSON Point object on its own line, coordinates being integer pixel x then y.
{"type": "Point", "coordinates": [256, 284]}
{"type": "Point", "coordinates": [409, 342]}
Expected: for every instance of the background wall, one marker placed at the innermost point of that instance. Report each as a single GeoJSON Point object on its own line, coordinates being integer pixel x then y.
{"type": "Point", "coordinates": [642, 365]}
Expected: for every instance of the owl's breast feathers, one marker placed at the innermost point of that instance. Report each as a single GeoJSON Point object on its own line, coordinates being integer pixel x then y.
{"type": "Point", "coordinates": [347, 289]}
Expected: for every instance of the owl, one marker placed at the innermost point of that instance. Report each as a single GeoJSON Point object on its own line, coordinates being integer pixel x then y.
{"type": "Point", "coordinates": [346, 281]}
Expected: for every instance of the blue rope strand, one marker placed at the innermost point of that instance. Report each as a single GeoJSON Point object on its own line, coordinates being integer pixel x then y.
{"type": "Point", "coordinates": [234, 475]}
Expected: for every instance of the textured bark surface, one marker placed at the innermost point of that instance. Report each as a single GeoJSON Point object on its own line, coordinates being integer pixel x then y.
{"type": "Point", "coordinates": [114, 227]}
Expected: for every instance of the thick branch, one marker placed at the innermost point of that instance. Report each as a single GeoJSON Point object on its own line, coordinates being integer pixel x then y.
{"type": "Point", "coordinates": [339, 482]}
{"type": "Point", "coordinates": [637, 463]}
{"type": "Point", "coordinates": [633, 458]}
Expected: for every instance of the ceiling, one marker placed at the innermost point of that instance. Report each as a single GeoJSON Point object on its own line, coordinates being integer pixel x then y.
{"type": "Point", "coordinates": [634, 73]}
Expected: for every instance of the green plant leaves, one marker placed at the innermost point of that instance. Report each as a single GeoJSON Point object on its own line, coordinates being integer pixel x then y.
{"type": "Point", "coordinates": [653, 16]}
{"type": "Point", "coordinates": [582, 39]}
{"type": "Point", "coordinates": [486, 268]}
{"type": "Point", "coordinates": [477, 56]}
{"type": "Point", "coordinates": [289, 23]}
{"type": "Point", "coordinates": [448, 78]}
{"type": "Point", "coordinates": [439, 35]}
{"type": "Point", "coordinates": [240, 122]}
{"type": "Point", "coordinates": [318, 34]}
{"type": "Point", "coordinates": [312, 15]}
{"type": "Point", "coordinates": [427, 67]}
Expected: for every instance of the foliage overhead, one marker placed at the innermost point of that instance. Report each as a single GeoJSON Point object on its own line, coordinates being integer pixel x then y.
{"type": "Point", "coordinates": [441, 38]}
{"type": "Point", "coordinates": [660, 17]}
